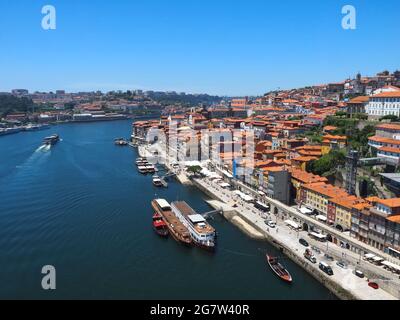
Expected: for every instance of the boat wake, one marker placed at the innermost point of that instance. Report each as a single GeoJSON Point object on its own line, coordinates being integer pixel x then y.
{"type": "Point", "coordinates": [43, 148]}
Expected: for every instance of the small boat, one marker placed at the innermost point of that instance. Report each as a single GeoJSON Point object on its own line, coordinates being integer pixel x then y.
{"type": "Point", "coordinates": [159, 225]}
{"type": "Point", "coordinates": [142, 169]}
{"type": "Point", "coordinates": [175, 227]}
{"type": "Point", "coordinates": [157, 181]}
{"type": "Point", "coordinates": [374, 285]}
{"type": "Point", "coordinates": [150, 168]}
{"type": "Point", "coordinates": [141, 162]}
{"type": "Point", "coordinates": [120, 142]}
{"type": "Point", "coordinates": [278, 269]}
{"type": "Point", "coordinates": [52, 140]}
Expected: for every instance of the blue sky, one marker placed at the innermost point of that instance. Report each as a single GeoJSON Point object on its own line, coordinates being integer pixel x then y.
{"type": "Point", "coordinates": [226, 47]}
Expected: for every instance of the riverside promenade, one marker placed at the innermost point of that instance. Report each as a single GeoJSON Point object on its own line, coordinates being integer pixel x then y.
{"type": "Point", "coordinates": [251, 221]}
{"type": "Point", "coordinates": [344, 283]}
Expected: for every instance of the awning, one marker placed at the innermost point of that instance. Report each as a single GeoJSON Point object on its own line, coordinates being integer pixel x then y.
{"type": "Point", "coordinates": [192, 164]}
{"type": "Point", "coordinates": [225, 185]}
{"type": "Point", "coordinates": [391, 265]}
{"type": "Point", "coordinates": [377, 259]}
{"type": "Point", "coordinates": [304, 210]}
{"type": "Point", "coordinates": [227, 174]}
{"type": "Point", "coordinates": [394, 250]}
{"type": "Point", "coordinates": [213, 175]}
{"type": "Point", "coordinates": [318, 235]}
{"type": "Point", "coordinates": [247, 198]}
{"type": "Point", "coordinates": [369, 256]}
{"type": "Point", "coordinates": [292, 224]}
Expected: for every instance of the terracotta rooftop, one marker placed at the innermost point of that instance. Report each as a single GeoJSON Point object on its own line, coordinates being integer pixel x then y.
{"type": "Point", "coordinates": [306, 177]}
{"type": "Point", "coordinates": [393, 94]}
{"type": "Point", "coordinates": [395, 219]}
{"type": "Point", "coordinates": [388, 126]}
{"type": "Point", "coordinates": [384, 140]}
{"type": "Point", "coordinates": [391, 203]}
{"type": "Point", "coordinates": [389, 149]}
{"type": "Point", "coordinates": [326, 190]}
{"type": "Point", "coordinates": [361, 99]}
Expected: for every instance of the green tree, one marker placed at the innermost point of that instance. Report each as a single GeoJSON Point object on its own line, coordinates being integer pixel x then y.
{"type": "Point", "coordinates": [327, 164]}
{"type": "Point", "coordinates": [195, 170]}
{"type": "Point", "coordinates": [390, 117]}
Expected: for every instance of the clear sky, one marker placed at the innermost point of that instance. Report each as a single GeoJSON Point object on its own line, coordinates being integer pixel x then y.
{"type": "Point", "coordinates": [225, 47]}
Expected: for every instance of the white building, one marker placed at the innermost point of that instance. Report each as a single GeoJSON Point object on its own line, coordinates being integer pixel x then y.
{"type": "Point", "coordinates": [383, 104]}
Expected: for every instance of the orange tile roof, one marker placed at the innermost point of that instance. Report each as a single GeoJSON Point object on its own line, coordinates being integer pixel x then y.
{"type": "Point", "coordinates": [326, 190]}
{"type": "Point", "coordinates": [306, 177]}
{"type": "Point", "coordinates": [384, 140]}
{"type": "Point", "coordinates": [391, 203]}
{"type": "Point", "coordinates": [310, 153]}
{"type": "Point", "coordinates": [395, 219]}
{"type": "Point", "coordinates": [389, 126]}
{"type": "Point", "coordinates": [350, 202]}
{"type": "Point", "coordinates": [330, 128]}
{"type": "Point", "coordinates": [331, 137]}
{"type": "Point", "coordinates": [362, 206]}
{"type": "Point", "coordinates": [304, 159]}
{"type": "Point", "coordinates": [389, 149]}
{"type": "Point", "coordinates": [309, 148]}
{"type": "Point", "coordinates": [393, 94]}
{"type": "Point", "coordinates": [361, 99]}
{"type": "Point", "coordinates": [273, 169]}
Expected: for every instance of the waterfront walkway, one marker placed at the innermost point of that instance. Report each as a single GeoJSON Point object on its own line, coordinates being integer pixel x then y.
{"type": "Point", "coordinates": [345, 278]}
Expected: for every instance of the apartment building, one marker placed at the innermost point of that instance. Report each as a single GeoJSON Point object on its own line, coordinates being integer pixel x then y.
{"type": "Point", "coordinates": [384, 104]}
{"type": "Point", "coordinates": [316, 196]}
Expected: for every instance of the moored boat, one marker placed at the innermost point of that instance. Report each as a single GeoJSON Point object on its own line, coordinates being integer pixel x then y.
{"type": "Point", "coordinates": [121, 142]}
{"type": "Point", "coordinates": [142, 169]}
{"type": "Point", "coordinates": [278, 269]}
{"type": "Point", "coordinates": [159, 225]}
{"type": "Point", "coordinates": [202, 233]}
{"type": "Point", "coordinates": [140, 161]}
{"type": "Point", "coordinates": [157, 181]}
{"type": "Point", "coordinates": [175, 227]}
{"type": "Point", "coordinates": [150, 168]}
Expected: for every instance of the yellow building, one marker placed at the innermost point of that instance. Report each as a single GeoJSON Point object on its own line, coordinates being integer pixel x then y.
{"type": "Point", "coordinates": [317, 195]}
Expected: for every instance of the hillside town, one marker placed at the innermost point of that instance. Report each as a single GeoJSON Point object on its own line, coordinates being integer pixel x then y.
{"type": "Point", "coordinates": [330, 150]}
{"type": "Point", "coordinates": [21, 110]}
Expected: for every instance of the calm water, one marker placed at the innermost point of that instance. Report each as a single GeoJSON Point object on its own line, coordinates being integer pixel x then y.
{"type": "Point", "coordinates": [82, 207]}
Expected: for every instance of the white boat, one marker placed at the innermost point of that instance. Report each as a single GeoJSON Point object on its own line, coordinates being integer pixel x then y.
{"type": "Point", "coordinates": [157, 181]}
{"type": "Point", "coordinates": [202, 233]}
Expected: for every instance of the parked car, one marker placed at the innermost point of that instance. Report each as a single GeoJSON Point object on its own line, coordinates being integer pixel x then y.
{"type": "Point", "coordinates": [341, 264]}
{"type": "Point", "coordinates": [270, 224]}
{"type": "Point", "coordinates": [359, 274]}
{"type": "Point", "coordinates": [304, 242]}
{"type": "Point", "coordinates": [374, 285]}
{"type": "Point", "coordinates": [326, 268]}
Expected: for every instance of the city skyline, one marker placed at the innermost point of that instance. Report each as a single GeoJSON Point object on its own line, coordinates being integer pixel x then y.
{"type": "Point", "coordinates": [218, 49]}
{"type": "Point", "coordinates": [136, 90]}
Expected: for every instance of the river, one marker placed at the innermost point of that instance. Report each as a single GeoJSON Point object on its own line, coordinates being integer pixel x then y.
{"type": "Point", "coordinates": [82, 207]}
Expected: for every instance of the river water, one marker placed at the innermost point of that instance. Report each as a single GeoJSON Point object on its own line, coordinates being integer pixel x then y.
{"type": "Point", "coordinates": [82, 207]}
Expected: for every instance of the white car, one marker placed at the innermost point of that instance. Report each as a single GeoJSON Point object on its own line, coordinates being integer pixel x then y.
{"type": "Point", "coordinates": [270, 224]}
